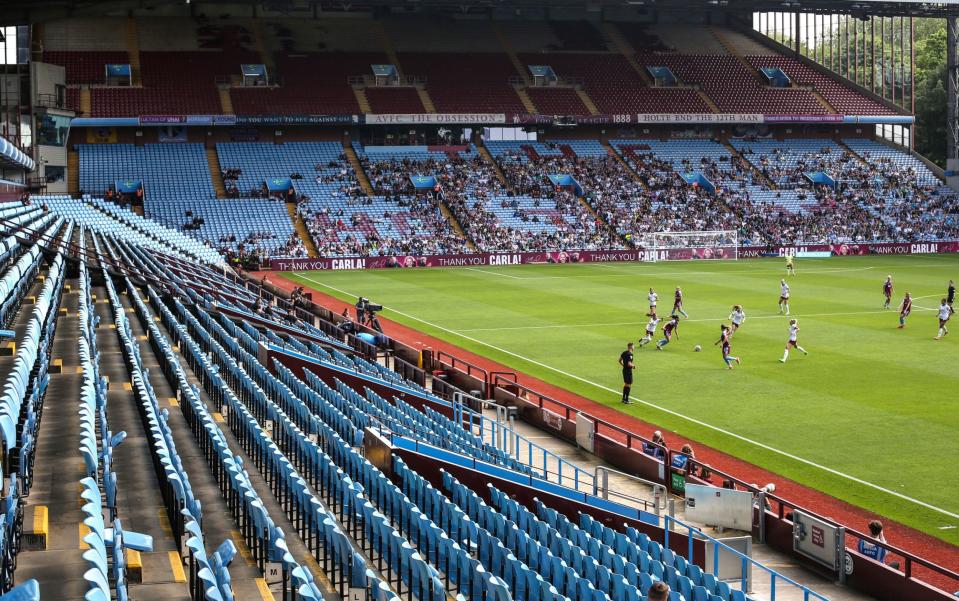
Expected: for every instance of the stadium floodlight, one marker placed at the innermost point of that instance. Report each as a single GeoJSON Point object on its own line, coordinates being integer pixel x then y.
{"type": "Point", "coordinates": [681, 246]}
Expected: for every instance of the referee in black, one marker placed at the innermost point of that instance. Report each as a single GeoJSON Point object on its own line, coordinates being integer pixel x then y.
{"type": "Point", "coordinates": [626, 361]}
{"type": "Point", "coordinates": [951, 293]}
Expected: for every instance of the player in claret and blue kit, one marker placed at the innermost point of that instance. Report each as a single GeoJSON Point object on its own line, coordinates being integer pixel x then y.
{"type": "Point", "coordinates": [678, 303]}
{"type": "Point", "coordinates": [724, 339]}
{"type": "Point", "coordinates": [904, 310]}
{"type": "Point", "coordinates": [669, 330]}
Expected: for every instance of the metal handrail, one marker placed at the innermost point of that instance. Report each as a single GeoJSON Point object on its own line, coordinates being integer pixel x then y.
{"type": "Point", "coordinates": [718, 545]}
{"type": "Point", "coordinates": [507, 440]}
{"type": "Point", "coordinates": [601, 474]}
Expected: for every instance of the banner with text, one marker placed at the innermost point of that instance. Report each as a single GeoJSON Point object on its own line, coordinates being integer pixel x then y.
{"type": "Point", "coordinates": [435, 118]}
{"type": "Point", "coordinates": [607, 256]}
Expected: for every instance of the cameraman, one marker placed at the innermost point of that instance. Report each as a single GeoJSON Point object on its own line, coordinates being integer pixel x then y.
{"type": "Point", "coordinates": [361, 304]}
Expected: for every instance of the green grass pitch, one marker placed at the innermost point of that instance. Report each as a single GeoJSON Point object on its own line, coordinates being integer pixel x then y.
{"type": "Point", "coordinates": [870, 401]}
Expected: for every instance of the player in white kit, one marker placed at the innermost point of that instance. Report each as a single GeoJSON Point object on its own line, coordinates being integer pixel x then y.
{"type": "Point", "coordinates": [793, 341]}
{"type": "Point", "coordinates": [783, 297]}
{"type": "Point", "coordinates": [945, 313]}
{"type": "Point", "coordinates": [650, 329]}
{"type": "Point", "coordinates": [738, 316]}
{"type": "Point", "coordinates": [653, 299]}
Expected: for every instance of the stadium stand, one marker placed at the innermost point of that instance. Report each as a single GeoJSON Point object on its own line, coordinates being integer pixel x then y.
{"type": "Point", "coordinates": [613, 84]}
{"type": "Point", "coordinates": [464, 66]}
{"type": "Point", "coordinates": [845, 100]}
{"type": "Point", "coordinates": [430, 540]}
{"type": "Point", "coordinates": [300, 92]}
{"type": "Point", "coordinates": [85, 67]}
{"type": "Point", "coordinates": [255, 412]}
{"type": "Point", "coordinates": [465, 82]}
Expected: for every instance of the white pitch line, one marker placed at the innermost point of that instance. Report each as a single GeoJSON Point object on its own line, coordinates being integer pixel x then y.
{"type": "Point", "coordinates": [639, 323]}
{"type": "Point", "coordinates": [502, 275]}
{"type": "Point", "coordinates": [693, 420]}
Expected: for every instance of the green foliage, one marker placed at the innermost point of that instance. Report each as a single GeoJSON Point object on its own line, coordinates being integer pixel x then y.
{"type": "Point", "coordinates": [931, 82]}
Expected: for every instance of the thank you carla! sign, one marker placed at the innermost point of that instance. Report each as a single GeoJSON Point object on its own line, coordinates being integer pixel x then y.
{"type": "Point", "coordinates": [604, 256]}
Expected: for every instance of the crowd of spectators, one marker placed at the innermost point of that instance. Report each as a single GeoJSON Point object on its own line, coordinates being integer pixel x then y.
{"type": "Point", "coordinates": [513, 206]}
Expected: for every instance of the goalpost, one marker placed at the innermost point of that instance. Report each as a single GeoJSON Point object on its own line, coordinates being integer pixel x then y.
{"type": "Point", "coordinates": [681, 246]}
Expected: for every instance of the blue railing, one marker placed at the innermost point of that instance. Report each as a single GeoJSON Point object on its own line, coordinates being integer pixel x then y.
{"type": "Point", "coordinates": [547, 464]}
{"type": "Point", "coordinates": [774, 576]}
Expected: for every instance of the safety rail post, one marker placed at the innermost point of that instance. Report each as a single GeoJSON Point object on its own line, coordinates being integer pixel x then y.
{"type": "Point", "coordinates": [744, 559]}
{"type": "Point", "coordinates": [601, 474]}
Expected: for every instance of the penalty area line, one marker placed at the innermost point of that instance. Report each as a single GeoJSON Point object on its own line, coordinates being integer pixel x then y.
{"type": "Point", "coordinates": [693, 420]}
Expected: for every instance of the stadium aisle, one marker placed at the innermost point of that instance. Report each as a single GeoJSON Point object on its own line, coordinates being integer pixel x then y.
{"type": "Point", "coordinates": [139, 499]}
{"type": "Point", "coordinates": [19, 326]}
{"type": "Point", "coordinates": [58, 468]}
{"type": "Point", "coordinates": [218, 522]}
{"type": "Point", "coordinates": [296, 546]}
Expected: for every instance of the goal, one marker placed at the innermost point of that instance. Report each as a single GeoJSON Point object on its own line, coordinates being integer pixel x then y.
{"type": "Point", "coordinates": [682, 246]}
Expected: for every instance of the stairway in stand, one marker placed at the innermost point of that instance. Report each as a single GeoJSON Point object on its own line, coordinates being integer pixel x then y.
{"type": "Point", "coordinates": [629, 169]}
{"type": "Point", "coordinates": [362, 100]}
{"type": "Point", "coordinates": [526, 100]}
{"type": "Point", "coordinates": [587, 101]}
{"type": "Point", "coordinates": [484, 152]}
{"type": "Point", "coordinates": [133, 49]}
{"type": "Point", "coordinates": [358, 169]}
{"type": "Point", "coordinates": [302, 231]}
{"type": "Point", "coordinates": [623, 46]}
{"type": "Point", "coordinates": [453, 221]}
{"type": "Point", "coordinates": [226, 102]}
{"type": "Point", "coordinates": [216, 175]}
{"type": "Point", "coordinates": [86, 102]}
{"type": "Point", "coordinates": [73, 173]}
{"type": "Point", "coordinates": [759, 174]}
{"type": "Point", "coordinates": [598, 219]}
{"type": "Point", "coordinates": [822, 100]}
{"type": "Point", "coordinates": [425, 99]}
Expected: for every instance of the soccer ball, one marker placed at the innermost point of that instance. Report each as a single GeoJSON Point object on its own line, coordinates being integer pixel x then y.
{"type": "Point", "coordinates": [697, 348]}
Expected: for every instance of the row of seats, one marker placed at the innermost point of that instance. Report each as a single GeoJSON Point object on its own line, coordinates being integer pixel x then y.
{"type": "Point", "coordinates": [264, 398]}
{"type": "Point", "coordinates": [109, 218]}
{"type": "Point", "coordinates": [167, 171]}
{"type": "Point", "coordinates": [210, 576]}
{"type": "Point", "coordinates": [21, 404]}
{"type": "Point", "coordinates": [264, 538]}
{"type": "Point", "coordinates": [106, 541]}
{"type": "Point", "coordinates": [170, 239]}
{"type": "Point", "coordinates": [465, 69]}
{"type": "Point", "coordinates": [24, 388]}
{"type": "Point", "coordinates": [424, 545]}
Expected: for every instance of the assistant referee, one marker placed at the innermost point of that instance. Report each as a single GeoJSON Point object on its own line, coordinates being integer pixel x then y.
{"type": "Point", "coordinates": [626, 361]}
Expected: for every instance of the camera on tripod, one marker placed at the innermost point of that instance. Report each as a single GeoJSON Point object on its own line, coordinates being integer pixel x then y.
{"type": "Point", "coordinates": [366, 313]}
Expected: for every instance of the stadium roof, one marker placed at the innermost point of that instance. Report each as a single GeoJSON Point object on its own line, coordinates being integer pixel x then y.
{"type": "Point", "coordinates": [21, 12]}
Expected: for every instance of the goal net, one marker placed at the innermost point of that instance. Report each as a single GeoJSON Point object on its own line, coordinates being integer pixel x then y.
{"type": "Point", "coordinates": [683, 246]}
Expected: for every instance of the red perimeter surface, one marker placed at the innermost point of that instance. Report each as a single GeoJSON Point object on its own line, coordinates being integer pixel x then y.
{"type": "Point", "coordinates": [904, 537]}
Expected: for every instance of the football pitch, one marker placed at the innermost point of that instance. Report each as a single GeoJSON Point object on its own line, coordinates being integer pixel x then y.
{"type": "Point", "coordinates": [870, 416]}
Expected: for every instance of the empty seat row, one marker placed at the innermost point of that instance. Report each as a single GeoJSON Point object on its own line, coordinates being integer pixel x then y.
{"type": "Point", "coordinates": [210, 575]}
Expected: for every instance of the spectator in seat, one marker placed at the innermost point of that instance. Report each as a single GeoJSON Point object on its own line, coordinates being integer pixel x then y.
{"type": "Point", "coordinates": [685, 459]}
{"type": "Point", "coordinates": [872, 550]}
{"type": "Point", "coordinates": [658, 592]}
{"type": "Point", "coordinates": [652, 449]}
